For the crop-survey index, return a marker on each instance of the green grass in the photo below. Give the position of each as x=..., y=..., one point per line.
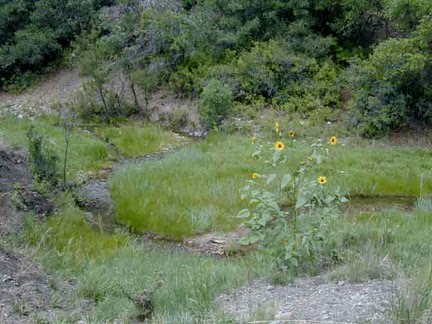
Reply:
x=67, y=234
x=192, y=191
x=86, y=153
x=196, y=189
x=370, y=169
x=413, y=303
x=109, y=267
x=381, y=171
x=190, y=283
x=385, y=244
x=138, y=139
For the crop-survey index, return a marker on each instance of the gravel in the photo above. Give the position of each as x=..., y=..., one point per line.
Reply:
x=312, y=300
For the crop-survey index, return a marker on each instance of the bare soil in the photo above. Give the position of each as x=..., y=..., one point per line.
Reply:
x=59, y=87
x=26, y=293
x=13, y=171
x=219, y=244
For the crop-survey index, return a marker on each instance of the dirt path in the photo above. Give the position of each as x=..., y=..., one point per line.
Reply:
x=311, y=301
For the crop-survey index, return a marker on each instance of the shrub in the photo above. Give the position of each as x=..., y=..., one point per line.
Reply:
x=269, y=69
x=43, y=160
x=215, y=103
x=178, y=119
x=391, y=88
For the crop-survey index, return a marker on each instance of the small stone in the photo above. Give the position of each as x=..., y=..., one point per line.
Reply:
x=6, y=278
x=283, y=316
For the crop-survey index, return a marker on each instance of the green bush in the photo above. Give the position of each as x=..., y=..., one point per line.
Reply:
x=42, y=158
x=392, y=88
x=215, y=103
x=34, y=33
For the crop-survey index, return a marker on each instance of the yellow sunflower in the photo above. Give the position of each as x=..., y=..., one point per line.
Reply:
x=292, y=134
x=279, y=146
x=333, y=140
x=322, y=180
x=255, y=176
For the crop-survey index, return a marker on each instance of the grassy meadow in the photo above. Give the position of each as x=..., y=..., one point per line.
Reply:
x=109, y=268
x=196, y=190
x=191, y=191
x=137, y=139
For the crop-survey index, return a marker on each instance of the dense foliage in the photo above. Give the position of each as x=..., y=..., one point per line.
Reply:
x=310, y=57
x=34, y=33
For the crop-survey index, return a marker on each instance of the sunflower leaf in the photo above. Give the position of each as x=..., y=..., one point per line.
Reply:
x=285, y=181
x=343, y=199
x=270, y=178
x=245, y=213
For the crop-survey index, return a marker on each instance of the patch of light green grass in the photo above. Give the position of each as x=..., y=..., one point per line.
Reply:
x=67, y=234
x=371, y=170
x=86, y=152
x=381, y=171
x=189, y=192
x=189, y=283
x=138, y=138
x=196, y=189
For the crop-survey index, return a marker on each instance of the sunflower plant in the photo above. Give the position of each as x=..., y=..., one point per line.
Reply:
x=306, y=196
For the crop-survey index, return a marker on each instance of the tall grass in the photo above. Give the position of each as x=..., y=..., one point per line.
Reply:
x=191, y=191
x=382, y=171
x=196, y=189
x=189, y=283
x=111, y=268
x=384, y=245
x=372, y=170
x=413, y=304
x=137, y=139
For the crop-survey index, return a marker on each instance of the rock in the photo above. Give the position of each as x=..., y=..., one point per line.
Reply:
x=95, y=197
x=31, y=200
x=217, y=241
x=12, y=168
